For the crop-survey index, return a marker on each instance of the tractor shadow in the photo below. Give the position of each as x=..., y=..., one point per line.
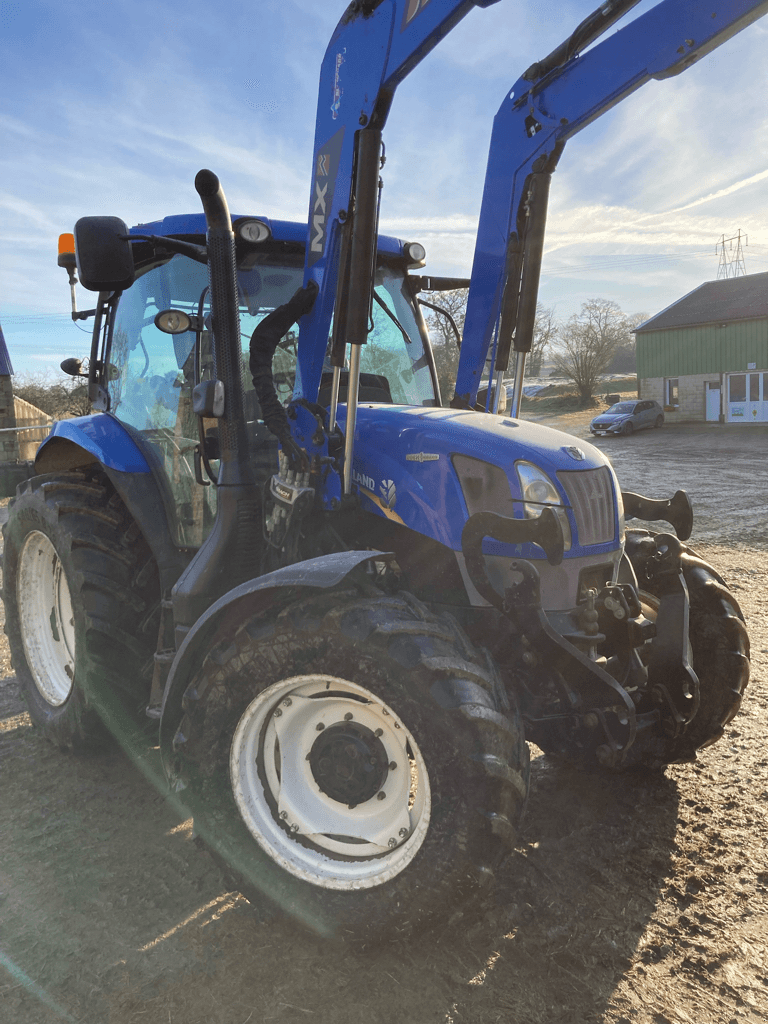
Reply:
x=113, y=915
x=576, y=899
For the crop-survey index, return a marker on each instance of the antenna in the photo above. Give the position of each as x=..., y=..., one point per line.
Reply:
x=731, y=259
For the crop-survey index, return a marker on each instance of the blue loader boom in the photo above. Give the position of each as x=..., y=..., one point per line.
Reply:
x=346, y=599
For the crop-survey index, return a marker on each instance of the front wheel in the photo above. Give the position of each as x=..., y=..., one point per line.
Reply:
x=719, y=647
x=348, y=758
x=627, y=430
x=659, y=422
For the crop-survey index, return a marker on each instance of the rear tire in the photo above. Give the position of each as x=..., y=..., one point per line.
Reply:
x=353, y=758
x=81, y=594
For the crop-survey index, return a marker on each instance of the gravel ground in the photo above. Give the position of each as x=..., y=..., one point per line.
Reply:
x=630, y=899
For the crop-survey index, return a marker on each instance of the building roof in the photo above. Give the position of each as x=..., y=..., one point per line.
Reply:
x=715, y=302
x=6, y=370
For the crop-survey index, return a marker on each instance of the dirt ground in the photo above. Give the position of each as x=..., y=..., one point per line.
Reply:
x=630, y=899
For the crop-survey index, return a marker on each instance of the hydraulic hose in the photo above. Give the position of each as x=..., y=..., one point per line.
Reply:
x=264, y=342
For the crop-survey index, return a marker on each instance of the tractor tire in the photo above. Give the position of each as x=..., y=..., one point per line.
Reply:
x=351, y=758
x=81, y=594
x=720, y=655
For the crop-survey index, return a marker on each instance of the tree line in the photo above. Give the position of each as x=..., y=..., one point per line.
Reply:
x=596, y=340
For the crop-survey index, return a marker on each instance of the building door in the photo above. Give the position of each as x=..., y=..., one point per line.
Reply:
x=748, y=397
x=713, y=401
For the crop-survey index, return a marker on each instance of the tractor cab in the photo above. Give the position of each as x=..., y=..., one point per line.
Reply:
x=152, y=373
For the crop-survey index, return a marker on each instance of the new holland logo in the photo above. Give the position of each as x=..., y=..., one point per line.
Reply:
x=365, y=481
x=388, y=493
x=574, y=452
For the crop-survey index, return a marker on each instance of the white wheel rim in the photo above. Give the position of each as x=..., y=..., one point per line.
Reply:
x=47, y=619
x=285, y=740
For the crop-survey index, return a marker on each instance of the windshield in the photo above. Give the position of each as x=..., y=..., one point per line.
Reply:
x=152, y=374
x=621, y=407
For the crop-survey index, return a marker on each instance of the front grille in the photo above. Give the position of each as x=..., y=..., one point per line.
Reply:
x=591, y=496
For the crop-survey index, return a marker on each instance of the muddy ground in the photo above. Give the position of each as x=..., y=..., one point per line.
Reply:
x=630, y=899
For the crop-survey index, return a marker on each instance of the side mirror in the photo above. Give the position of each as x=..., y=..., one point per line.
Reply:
x=103, y=253
x=73, y=366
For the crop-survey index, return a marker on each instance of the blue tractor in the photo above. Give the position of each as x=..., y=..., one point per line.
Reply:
x=347, y=600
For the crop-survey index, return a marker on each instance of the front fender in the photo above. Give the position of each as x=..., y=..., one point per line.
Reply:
x=103, y=437
x=226, y=614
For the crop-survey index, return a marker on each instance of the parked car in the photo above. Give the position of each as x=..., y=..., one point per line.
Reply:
x=627, y=417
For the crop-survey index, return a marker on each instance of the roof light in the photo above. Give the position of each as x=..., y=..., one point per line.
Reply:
x=415, y=253
x=249, y=229
x=67, y=251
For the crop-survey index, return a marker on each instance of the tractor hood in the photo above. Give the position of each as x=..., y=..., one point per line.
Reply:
x=430, y=469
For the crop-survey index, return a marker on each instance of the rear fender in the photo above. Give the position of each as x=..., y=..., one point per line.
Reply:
x=224, y=617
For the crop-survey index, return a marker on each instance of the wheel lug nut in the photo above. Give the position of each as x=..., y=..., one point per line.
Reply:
x=287, y=702
x=379, y=732
x=283, y=815
x=319, y=726
x=278, y=712
x=381, y=795
x=392, y=765
x=294, y=828
x=403, y=833
x=348, y=716
x=392, y=842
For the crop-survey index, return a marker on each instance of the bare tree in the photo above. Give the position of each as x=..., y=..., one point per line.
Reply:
x=587, y=343
x=58, y=398
x=625, y=358
x=545, y=331
x=444, y=341
x=445, y=344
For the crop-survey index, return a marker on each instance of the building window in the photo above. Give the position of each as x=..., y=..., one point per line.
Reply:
x=737, y=387
x=671, y=392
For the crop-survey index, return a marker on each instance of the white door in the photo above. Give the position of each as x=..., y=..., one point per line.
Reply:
x=713, y=401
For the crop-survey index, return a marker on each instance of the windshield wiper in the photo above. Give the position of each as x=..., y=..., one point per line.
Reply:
x=393, y=318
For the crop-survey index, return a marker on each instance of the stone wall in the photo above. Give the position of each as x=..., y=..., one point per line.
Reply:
x=9, y=449
x=691, y=389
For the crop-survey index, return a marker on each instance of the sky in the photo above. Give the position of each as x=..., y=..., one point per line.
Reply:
x=112, y=108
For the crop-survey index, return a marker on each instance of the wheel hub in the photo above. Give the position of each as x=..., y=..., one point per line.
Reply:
x=47, y=618
x=349, y=763
x=330, y=782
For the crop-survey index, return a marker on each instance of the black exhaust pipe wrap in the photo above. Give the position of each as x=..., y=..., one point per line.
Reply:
x=232, y=552
x=225, y=315
x=264, y=342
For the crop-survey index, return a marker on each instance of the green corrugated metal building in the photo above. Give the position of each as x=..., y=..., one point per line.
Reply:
x=705, y=357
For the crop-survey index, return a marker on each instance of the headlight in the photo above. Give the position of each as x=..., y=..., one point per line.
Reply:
x=539, y=492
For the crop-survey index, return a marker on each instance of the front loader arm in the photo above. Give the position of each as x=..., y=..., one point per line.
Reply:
x=530, y=129
x=375, y=45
